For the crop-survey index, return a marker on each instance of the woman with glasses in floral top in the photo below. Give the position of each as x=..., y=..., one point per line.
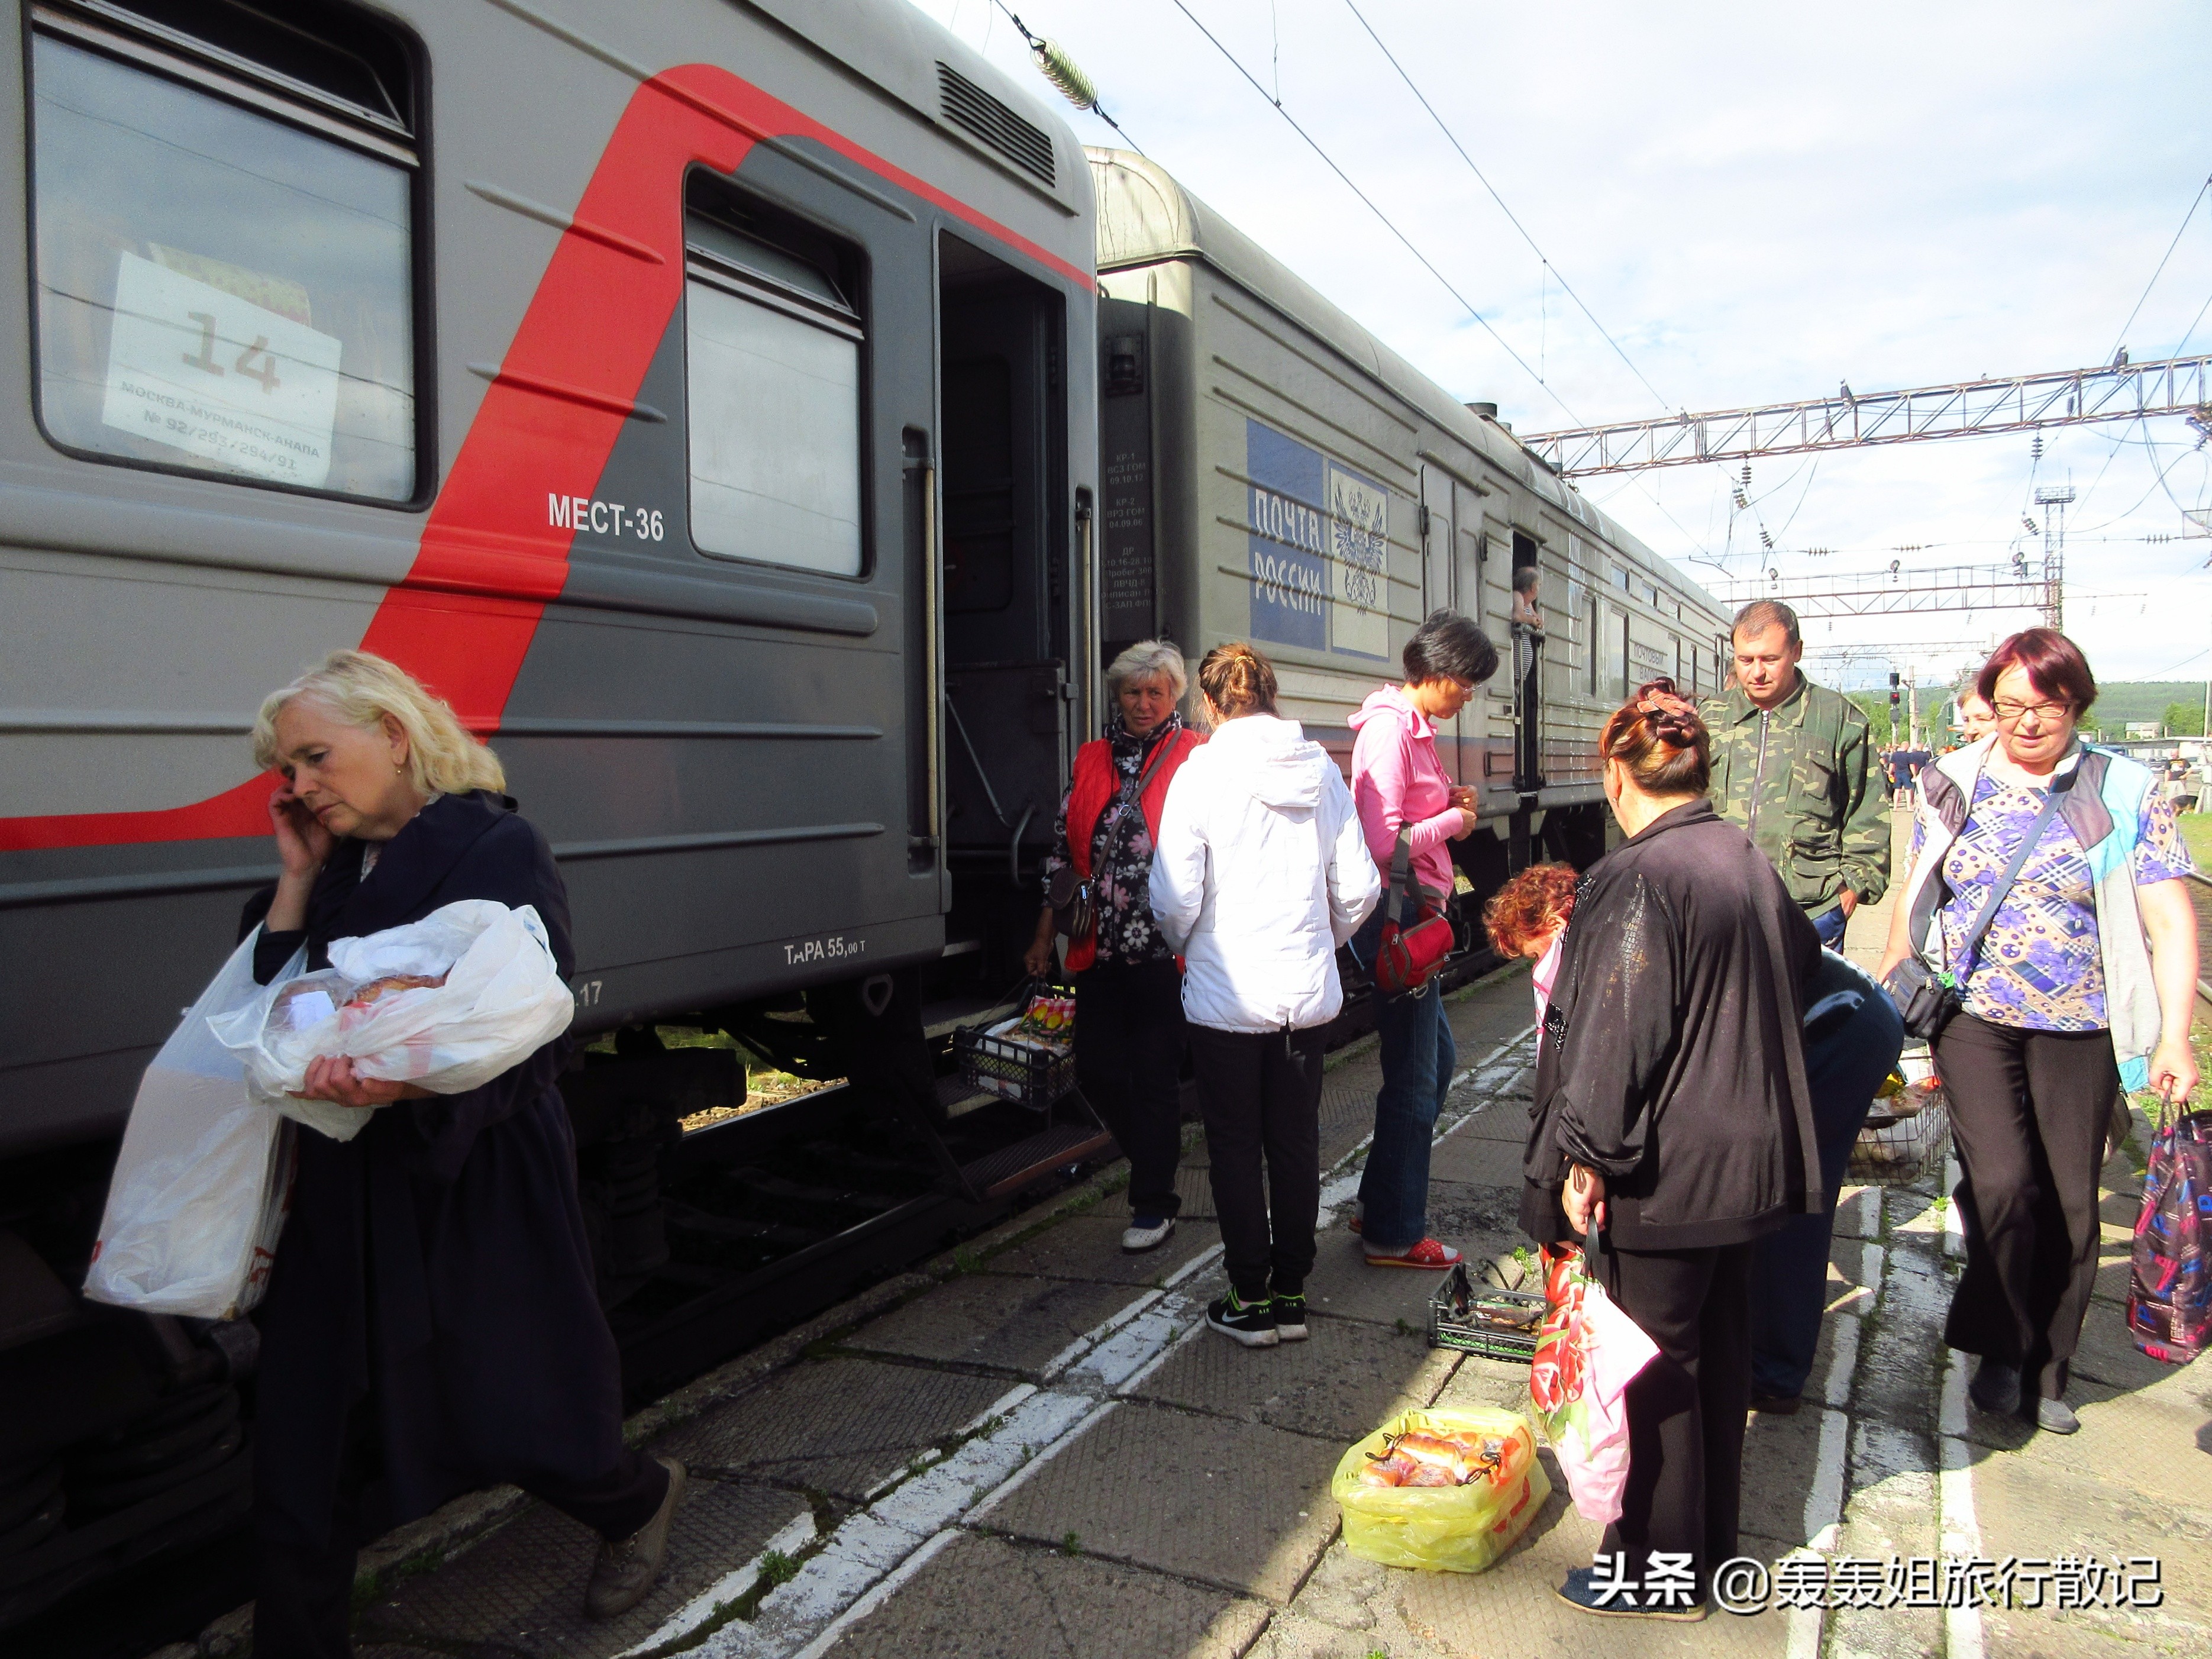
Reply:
x=2083, y=984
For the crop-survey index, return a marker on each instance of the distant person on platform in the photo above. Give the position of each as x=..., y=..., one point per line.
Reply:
x=1792, y=768
x=1977, y=719
x=1796, y=769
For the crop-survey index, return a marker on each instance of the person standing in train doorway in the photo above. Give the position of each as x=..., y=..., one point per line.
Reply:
x=1400, y=784
x=1795, y=767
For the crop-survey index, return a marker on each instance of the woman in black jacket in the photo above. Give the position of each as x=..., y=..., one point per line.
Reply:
x=431, y=1325
x=1671, y=1116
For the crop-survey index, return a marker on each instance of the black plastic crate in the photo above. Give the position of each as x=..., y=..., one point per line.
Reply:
x=1484, y=1320
x=1025, y=1071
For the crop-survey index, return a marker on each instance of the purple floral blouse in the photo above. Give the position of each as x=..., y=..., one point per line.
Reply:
x=2039, y=967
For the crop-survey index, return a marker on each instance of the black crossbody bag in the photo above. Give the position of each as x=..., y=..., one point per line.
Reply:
x=1926, y=998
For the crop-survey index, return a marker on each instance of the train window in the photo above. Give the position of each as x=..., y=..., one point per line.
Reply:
x=1596, y=645
x=223, y=232
x=1616, y=646
x=772, y=342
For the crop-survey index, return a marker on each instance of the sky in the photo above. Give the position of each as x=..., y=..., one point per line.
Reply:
x=1756, y=203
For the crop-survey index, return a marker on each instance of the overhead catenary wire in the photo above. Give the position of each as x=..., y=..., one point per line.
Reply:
x=2123, y=337
x=1054, y=63
x=1552, y=270
x=1425, y=263
x=1388, y=224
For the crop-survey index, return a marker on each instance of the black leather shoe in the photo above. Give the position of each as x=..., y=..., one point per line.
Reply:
x=1995, y=1388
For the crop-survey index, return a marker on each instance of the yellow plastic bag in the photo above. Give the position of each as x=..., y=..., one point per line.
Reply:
x=1457, y=1528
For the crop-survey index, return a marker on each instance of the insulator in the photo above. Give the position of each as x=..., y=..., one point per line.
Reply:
x=1057, y=67
x=2035, y=449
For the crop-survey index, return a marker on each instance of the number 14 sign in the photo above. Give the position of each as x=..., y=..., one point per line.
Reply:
x=199, y=370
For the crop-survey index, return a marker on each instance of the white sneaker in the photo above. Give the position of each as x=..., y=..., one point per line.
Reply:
x=1146, y=1232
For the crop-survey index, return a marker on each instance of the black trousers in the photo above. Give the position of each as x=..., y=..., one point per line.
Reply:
x=303, y=1606
x=1261, y=1097
x=1686, y=1409
x=2028, y=1114
x=1128, y=1059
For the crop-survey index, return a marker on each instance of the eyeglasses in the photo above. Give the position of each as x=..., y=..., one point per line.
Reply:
x=2009, y=713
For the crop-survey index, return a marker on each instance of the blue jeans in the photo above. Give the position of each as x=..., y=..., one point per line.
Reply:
x=1847, y=1052
x=1419, y=1059
x=1830, y=925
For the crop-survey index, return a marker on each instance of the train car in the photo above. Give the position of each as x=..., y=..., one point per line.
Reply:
x=699, y=395
x=1272, y=471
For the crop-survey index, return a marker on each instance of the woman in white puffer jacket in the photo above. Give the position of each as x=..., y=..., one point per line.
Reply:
x=1259, y=872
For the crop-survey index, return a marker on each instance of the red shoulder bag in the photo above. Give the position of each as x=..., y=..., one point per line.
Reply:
x=1408, y=957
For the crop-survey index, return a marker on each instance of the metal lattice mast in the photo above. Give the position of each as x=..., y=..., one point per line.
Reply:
x=2024, y=403
x=2054, y=501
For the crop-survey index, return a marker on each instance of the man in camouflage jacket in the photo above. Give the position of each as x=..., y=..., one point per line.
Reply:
x=1794, y=768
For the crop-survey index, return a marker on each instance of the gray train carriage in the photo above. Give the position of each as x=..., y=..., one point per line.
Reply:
x=699, y=395
x=691, y=392
x=1273, y=472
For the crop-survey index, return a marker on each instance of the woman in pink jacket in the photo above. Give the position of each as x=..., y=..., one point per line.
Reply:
x=1398, y=783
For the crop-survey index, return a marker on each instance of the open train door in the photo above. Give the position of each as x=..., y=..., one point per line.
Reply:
x=1009, y=609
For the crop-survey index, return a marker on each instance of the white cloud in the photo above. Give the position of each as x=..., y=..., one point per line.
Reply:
x=1760, y=202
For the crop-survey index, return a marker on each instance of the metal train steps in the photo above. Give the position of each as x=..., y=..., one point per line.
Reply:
x=1054, y=1147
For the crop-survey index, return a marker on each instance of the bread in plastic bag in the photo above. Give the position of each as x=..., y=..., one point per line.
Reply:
x=1458, y=1528
x=501, y=999
x=204, y=1178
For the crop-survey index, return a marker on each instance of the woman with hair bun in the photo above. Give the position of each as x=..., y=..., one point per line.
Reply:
x=431, y=1318
x=1261, y=872
x=1672, y=1124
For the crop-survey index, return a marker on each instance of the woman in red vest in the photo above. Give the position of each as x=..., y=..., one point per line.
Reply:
x=1128, y=993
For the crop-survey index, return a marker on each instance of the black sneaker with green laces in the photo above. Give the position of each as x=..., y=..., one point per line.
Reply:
x=1289, y=1313
x=1252, y=1323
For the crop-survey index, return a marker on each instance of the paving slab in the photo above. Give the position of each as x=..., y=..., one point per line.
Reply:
x=1192, y=1185
x=1343, y=1284
x=1781, y=1458
x=1339, y=1384
x=1471, y=1159
x=522, y=1591
x=1511, y=1609
x=1480, y=1381
x=2028, y=1510
x=1505, y=1120
x=1238, y=1505
x=1347, y=1106
x=985, y=1598
x=1016, y=1325
x=1459, y=1210
x=2105, y=1352
x=1088, y=1247
x=841, y=1425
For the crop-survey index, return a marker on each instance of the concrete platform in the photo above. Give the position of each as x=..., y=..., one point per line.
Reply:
x=1033, y=1449
x=841, y=1426
x=1233, y=1505
x=1015, y=1326
x=988, y=1598
x=1337, y=1385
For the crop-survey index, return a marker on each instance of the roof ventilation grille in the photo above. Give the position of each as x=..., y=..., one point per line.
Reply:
x=974, y=111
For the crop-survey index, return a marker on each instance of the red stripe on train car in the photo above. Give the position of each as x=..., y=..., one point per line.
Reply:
x=463, y=618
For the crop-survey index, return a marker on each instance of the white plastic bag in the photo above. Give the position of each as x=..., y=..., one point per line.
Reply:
x=204, y=1176
x=503, y=999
